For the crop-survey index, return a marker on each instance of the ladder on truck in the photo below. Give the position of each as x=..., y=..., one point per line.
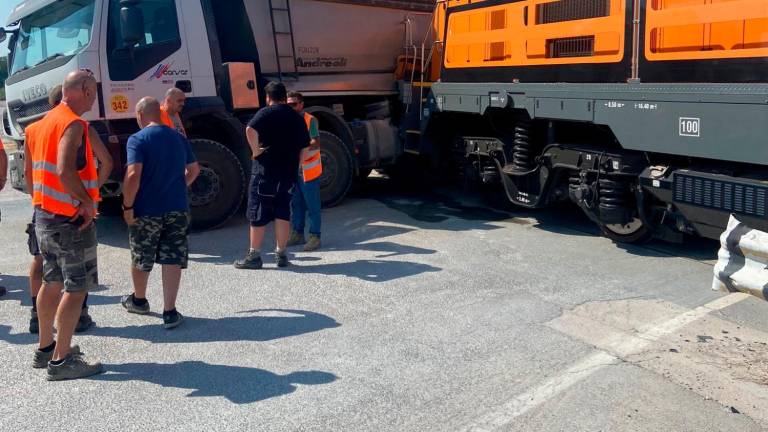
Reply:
x=280, y=14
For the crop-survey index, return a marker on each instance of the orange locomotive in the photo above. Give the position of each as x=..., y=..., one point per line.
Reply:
x=596, y=40
x=650, y=115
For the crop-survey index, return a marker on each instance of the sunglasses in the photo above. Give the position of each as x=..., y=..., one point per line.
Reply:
x=293, y=104
x=86, y=70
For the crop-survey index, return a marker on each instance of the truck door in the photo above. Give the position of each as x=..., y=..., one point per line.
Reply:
x=145, y=54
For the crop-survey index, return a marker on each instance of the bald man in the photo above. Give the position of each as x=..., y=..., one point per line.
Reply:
x=65, y=191
x=36, y=267
x=161, y=166
x=170, y=111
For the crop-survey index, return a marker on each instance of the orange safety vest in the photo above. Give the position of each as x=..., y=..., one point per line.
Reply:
x=49, y=194
x=312, y=167
x=173, y=123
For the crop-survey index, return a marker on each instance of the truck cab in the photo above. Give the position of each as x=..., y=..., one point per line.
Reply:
x=134, y=49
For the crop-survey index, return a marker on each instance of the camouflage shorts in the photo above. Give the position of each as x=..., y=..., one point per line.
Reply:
x=159, y=239
x=69, y=255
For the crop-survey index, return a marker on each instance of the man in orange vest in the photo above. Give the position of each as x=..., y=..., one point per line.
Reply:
x=65, y=192
x=306, y=196
x=36, y=267
x=170, y=110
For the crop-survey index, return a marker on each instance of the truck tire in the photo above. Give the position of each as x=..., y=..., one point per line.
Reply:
x=635, y=232
x=217, y=193
x=338, y=169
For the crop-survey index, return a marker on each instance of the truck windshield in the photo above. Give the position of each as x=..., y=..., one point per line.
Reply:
x=61, y=29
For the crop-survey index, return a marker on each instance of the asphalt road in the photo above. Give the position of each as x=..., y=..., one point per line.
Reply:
x=423, y=312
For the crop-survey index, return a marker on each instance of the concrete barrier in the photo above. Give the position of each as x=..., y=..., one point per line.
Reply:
x=742, y=264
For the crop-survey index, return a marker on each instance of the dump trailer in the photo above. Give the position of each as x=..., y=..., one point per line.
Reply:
x=343, y=55
x=650, y=115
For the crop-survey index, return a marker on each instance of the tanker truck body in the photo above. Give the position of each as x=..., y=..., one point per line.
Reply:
x=650, y=115
x=341, y=54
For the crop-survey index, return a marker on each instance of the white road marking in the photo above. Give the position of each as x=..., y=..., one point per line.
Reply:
x=593, y=363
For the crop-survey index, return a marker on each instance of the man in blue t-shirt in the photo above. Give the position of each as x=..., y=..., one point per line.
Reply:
x=161, y=166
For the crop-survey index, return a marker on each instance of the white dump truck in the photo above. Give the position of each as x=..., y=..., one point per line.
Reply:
x=342, y=55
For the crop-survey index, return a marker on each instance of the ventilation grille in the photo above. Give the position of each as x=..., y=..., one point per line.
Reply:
x=747, y=199
x=571, y=10
x=37, y=107
x=571, y=47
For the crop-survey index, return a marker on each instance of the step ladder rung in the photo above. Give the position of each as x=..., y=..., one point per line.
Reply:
x=279, y=56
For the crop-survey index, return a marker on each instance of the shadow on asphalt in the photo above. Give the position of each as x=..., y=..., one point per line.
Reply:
x=18, y=290
x=368, y=270
x=257, y=325
x=228, y=243
x=432, y=206
x=488, y=204
x=239, y=385
x=448, y=208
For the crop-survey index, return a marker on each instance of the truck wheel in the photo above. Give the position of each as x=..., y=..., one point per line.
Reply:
x=635, y=232
x=338, y=168
x=217, y=193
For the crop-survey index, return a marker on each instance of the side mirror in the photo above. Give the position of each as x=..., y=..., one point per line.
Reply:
x=3, y=35
x=131, y=23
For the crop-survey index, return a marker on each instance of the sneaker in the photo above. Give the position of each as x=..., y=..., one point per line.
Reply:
x=85, y=322
x=252, y=261
x=73, y=367
x=40, y=359
x=313, y=243
x=295, y=239
x=131, y=307
x=171, y=321
x=34, y=323
x=282, y=259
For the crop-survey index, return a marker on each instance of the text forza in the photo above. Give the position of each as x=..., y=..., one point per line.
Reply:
x=317, y=62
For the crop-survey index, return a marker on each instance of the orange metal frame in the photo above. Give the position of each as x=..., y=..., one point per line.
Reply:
x=706, y=29
x=499, y=35
x=502, y=36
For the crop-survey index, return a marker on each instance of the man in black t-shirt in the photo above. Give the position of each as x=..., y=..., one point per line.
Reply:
x=278, y=139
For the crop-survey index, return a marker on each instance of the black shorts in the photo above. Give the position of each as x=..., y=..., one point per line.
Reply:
x=268, y=200
x=34, y=247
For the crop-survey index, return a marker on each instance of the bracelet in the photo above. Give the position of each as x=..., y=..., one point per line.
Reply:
x=126, y=208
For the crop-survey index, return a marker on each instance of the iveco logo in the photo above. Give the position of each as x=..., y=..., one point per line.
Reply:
x=35, y=92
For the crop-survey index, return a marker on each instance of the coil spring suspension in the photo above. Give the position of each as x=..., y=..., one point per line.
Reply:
x=574, y=183
x=613, y=194
x=614, y=203
x=523, y=157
